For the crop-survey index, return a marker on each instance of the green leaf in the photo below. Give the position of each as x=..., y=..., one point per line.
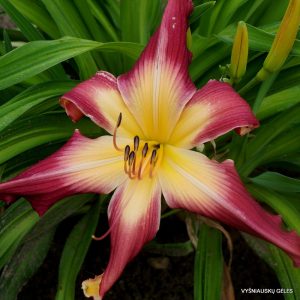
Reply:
x=275, y=14
x=263, y=90
x=285, y=144
x=138, y=19
x=29, y=31
x=7, y=42
x=37, y=56
x=265, y=134
x=15, y=34
x=24, y=264
x=277, y=182
x=57, y=213
x=69, y=22
x=32, y=34
x=259, y=40
x=38, y=15
x=225, y=15
x=14, y=166
x=279, y=202
x=16, y=222
x=213, y=56
x=201, y=9
x=207, y=22
x=96, y=31
x=279, y=102
x=38, y=130
x=103, y=20
x=208, y=268
x=33, y=96
x=287, y=274
x=74, y=252
x=254, y=7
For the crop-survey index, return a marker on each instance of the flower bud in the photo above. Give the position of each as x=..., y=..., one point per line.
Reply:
x=239, y=53
x=283, y=42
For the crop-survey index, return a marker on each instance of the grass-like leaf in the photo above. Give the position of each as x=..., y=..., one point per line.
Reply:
x=39, y=56
x=75, y=251
x=208, y=269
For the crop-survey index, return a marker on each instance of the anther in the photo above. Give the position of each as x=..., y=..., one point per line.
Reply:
x=126, y=153
x=145, y=150
x=156, y=146
x=115, y=132
x=119, y=120
x=126, y=156
x=131, y=157
x=131, y=163
x=136, y=143
x=153, y=157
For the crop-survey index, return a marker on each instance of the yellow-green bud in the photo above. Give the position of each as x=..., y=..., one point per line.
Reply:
x=283, y=42
x=189, y=39
x=239, y=53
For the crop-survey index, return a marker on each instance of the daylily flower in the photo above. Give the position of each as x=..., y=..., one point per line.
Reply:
x=155, y=116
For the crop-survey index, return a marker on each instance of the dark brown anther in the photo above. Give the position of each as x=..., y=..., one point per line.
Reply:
x=156, y=146
x=126, y=153
x=136, y=143
x=115, y=133
x=131, y=158
x=153, y=156
x=145, y=150
x=119, y=120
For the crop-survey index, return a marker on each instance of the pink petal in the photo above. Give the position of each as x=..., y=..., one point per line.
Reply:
x=134, y=215
x=158, y=86
x=191, y=181
x=82, y=165
x=99, y=99
x=213, y=111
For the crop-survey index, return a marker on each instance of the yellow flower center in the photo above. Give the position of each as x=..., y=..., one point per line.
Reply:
x=141, y=158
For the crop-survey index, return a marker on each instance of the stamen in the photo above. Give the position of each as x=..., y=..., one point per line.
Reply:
x=131, y=157
x=152, y=162
x=126, y=153
x=131, y=163
x=144, y=153
x=145, y=150
x=136, y=143
x=140, y=168
x=119, y=120
x=115, y=132
x=126, y=156
x=153, y=156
